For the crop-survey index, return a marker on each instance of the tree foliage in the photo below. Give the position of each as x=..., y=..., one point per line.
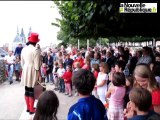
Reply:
x=101, y=18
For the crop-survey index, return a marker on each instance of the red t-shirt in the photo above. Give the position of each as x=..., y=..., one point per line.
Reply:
x=95, y=74
x=68, y=76
x=156, y=97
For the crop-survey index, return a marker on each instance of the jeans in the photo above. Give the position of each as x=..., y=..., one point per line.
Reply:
x=10, y=70
x=61, y=84
x=50, y=78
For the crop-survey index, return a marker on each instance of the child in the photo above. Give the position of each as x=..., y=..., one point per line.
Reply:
x=17, y=68
x=95, y=70
x=67, y=79
x=116, y=93
x=43, y=71
x=76, y=66
x=60, y=73
x=55, y=76
x=129, y=86
x=88, y=107
x=47, y=106
x=102, y=82
x=139, y=106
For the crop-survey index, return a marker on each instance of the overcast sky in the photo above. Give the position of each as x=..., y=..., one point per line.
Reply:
x=37, y=14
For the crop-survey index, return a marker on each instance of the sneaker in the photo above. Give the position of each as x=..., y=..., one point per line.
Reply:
x=66, y=93
x=51, y=83
x=55, y=89
x=10, y=82
x=69, y=95
x=76, y=94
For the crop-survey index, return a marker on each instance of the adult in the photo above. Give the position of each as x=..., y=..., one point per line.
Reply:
x=96, y=59
x=18, y=50
x=30, y=62
x=145, y=79
x=10, y=60
x=146, y=58
x=68, y=61
x=49, y=63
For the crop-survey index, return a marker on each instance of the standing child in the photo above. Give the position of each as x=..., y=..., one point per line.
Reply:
x=17, y=68
x=60, y=73
x=67, y=76
x=55, y=76
x=44, y=71
x=116, y=94
x=129, y=86
x=95, y=70
x=101, y=84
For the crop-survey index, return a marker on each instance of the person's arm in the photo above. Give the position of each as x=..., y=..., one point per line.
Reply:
x=156, y=100
x=108, y=94
x=15, y=51
x=37, y=59
x=156, y=108
x=104, y=80
x=102, y=83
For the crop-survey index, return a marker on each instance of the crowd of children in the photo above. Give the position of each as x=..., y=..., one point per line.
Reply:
x=116, y=76
x=128, y=84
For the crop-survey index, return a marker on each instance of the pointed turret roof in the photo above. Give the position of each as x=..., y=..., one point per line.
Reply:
x=17, y=39
x=30, y=30
x=22, y=36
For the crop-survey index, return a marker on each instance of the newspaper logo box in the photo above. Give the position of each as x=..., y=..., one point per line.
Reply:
x=138, y=8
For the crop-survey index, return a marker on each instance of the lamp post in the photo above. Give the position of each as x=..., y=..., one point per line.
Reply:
x=87, y=43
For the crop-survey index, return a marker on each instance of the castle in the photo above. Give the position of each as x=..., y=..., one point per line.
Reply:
x=20, y=38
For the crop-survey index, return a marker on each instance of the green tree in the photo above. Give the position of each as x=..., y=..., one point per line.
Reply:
x=101, y=19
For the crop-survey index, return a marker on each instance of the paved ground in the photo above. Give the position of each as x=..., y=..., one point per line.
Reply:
x=13, y=104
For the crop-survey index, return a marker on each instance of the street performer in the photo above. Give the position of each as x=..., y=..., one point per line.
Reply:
x=30, y=62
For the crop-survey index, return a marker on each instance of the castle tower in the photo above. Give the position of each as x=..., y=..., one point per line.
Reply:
x=29, y=33
x=22, y=37
x=17, y=39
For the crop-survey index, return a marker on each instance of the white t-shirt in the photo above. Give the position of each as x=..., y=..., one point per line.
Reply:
x=60, y=72
x=103, y=89
x=10, y=59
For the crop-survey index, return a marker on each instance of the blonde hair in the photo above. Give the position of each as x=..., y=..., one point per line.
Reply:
x=144, y=71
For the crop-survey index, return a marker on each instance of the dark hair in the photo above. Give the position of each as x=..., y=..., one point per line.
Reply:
x=103, y=52
x=121, y=64
x=118, y=79
x=130, y=78
x=32, y=43
x=154, y=117
x=47, y=106
x=141, y=98
x=84, y=81
x=156, y=68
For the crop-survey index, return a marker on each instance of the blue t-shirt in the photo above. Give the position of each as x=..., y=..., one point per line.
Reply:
x=89, y=108
x=143, y=117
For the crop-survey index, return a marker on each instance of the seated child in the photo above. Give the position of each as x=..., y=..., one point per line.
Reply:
x=139, y=106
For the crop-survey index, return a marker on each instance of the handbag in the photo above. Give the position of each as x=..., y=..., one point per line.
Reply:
x=39, y=88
